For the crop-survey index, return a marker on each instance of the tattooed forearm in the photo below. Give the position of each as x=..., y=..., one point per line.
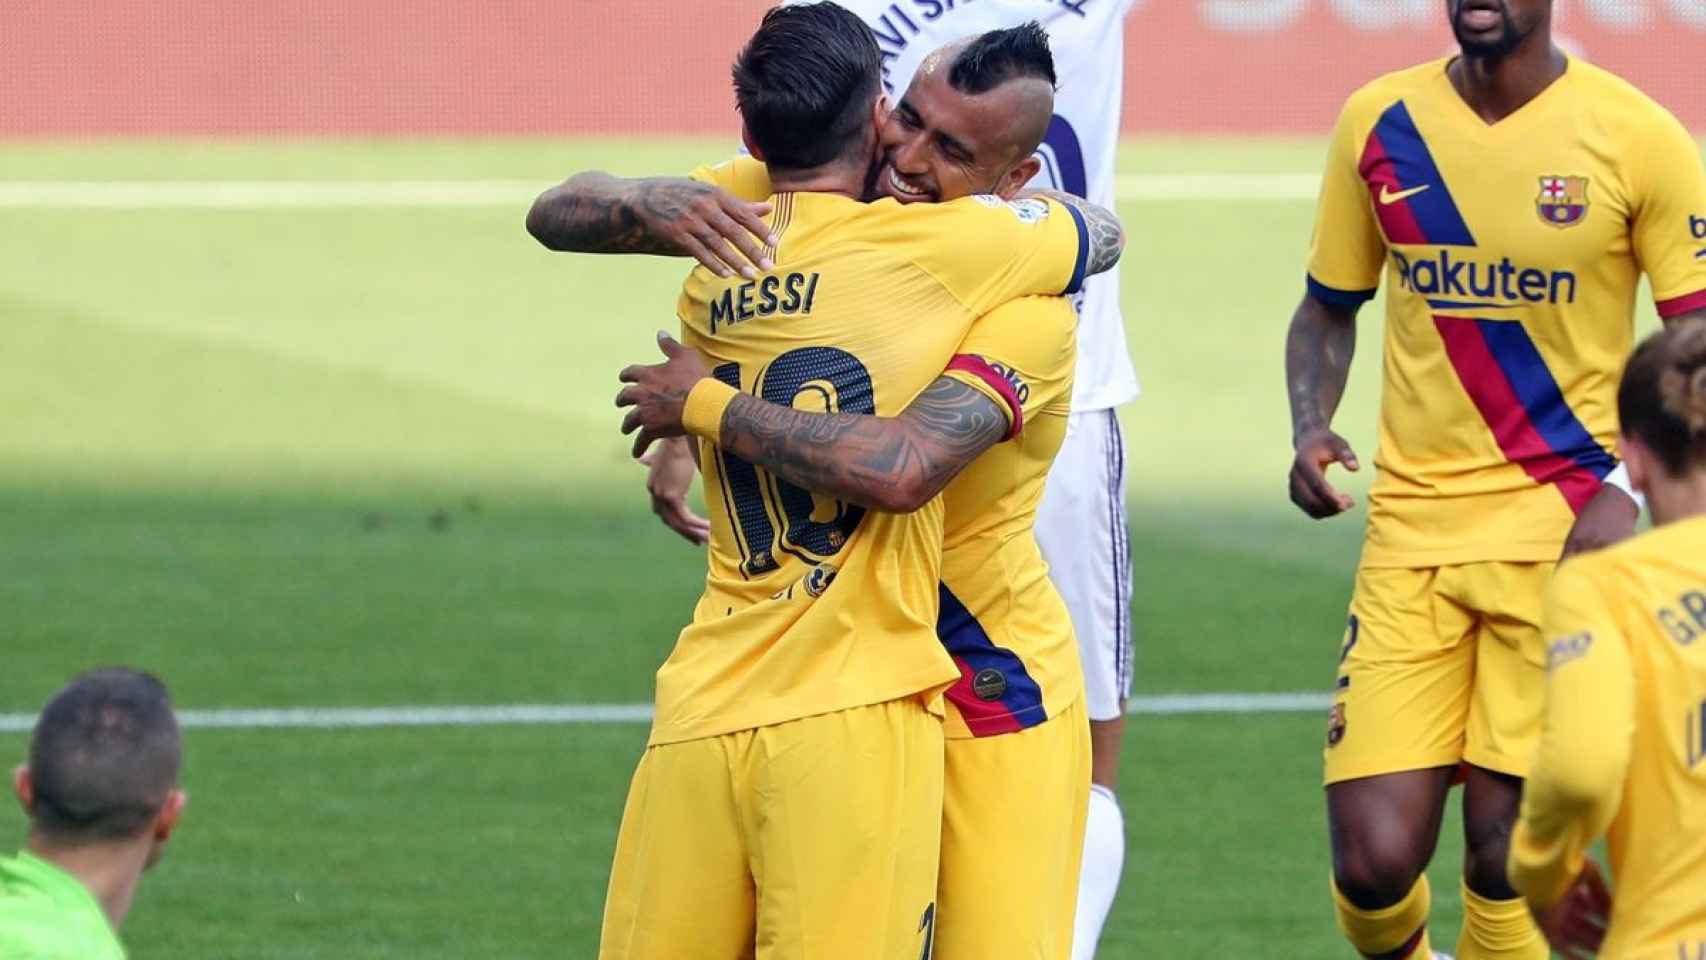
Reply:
x=1318, y=351
x=1107, y=236
x=896, y=464
x=598, y=213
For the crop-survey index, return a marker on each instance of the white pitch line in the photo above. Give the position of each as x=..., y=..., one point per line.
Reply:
x=283, y=194
x=574, y=714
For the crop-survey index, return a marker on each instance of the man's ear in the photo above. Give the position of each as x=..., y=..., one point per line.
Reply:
x=746, y=140
x=170, y=811
x=1639, y=460
x=880, y=112
x=1015, y=179
x=25, y=787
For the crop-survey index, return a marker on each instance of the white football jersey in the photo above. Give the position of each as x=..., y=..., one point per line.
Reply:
x=1088, y=40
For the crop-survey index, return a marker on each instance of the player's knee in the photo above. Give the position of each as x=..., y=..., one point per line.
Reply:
x=1377, y=871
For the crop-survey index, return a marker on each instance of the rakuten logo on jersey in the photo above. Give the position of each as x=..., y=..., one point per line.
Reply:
x=1257, y=16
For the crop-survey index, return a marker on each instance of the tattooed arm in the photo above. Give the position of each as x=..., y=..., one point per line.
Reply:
x=1107, y=236
x=595, y=212
x=1318, y=351
x=895, y=464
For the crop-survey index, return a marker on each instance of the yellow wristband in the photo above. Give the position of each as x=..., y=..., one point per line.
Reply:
x=702, y=415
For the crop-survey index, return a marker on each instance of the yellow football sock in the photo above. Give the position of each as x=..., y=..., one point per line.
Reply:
x=1389, y=930
x=1498, y=930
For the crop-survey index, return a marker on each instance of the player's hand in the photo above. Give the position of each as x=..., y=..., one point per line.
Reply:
x=1607, y=519
x=658, y=393
x=1316, y=450
x=1575, y=925
x=720, y=230
x=670, y=473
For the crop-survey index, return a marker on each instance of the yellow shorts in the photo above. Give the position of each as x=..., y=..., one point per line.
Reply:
x=1440, y=666
x=1012, y=836
x=815, y=838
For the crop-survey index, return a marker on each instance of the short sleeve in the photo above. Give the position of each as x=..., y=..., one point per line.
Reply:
x=1347, y=251
x=1669, y=228
x=1576, y=780
x=987, y=251
x=743, y=176
x=1021, y=355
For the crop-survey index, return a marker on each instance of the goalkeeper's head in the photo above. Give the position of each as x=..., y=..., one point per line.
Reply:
x=102, y=775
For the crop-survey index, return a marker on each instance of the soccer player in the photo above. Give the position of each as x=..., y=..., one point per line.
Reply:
x=799, y=693
x=101, y=794
x=1081, y=524
x=1018, y=760
x=1624, y=732
x=1512, y=196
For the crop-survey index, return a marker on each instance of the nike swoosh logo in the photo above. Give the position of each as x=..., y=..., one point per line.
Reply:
x=1388, y=198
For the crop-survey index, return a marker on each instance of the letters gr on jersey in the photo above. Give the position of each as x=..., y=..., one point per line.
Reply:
x=1686, y=621
x=765, y=297
x=1446, y=276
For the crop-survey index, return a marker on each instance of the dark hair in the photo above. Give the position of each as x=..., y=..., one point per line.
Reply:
x=805, y=84
x=1002, y=55
x=104, y=756
x=1662, y=400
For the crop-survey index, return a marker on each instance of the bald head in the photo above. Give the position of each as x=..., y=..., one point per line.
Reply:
x=975, y=113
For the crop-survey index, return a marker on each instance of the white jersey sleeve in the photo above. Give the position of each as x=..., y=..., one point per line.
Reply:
x=1088, y=40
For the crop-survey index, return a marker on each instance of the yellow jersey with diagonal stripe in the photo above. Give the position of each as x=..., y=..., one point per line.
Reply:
x=1623, y=747
x=1511, y=254
x=1002, y=620
x=812, y=605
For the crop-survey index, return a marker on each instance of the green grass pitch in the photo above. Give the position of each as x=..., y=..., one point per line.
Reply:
x=342, y=457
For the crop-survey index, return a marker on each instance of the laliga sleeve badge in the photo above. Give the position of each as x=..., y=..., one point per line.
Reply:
x=1336, y=725
x=989, y=684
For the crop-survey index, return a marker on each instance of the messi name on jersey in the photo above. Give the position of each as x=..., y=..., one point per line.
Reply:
x=765, y=297
x=1449, y=281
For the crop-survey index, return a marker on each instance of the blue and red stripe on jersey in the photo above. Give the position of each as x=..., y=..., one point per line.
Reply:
x=1396, y=159
x=1508, y=380
x=1020, y=705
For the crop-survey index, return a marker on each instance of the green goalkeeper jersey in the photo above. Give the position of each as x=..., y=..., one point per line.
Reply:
x=47, y=914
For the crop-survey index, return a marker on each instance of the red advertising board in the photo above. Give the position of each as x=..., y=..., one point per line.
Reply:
x=473, y=67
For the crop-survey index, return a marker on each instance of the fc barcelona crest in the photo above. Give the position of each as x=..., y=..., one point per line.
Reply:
x=1563, y=201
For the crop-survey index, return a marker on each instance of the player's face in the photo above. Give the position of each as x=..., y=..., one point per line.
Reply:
x=1491, y=29
x=941, y=144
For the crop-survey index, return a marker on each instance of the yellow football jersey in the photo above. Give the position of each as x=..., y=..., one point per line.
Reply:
x=1001, y=618
x=812, y=605
x=1624, y=742
x=1511, y=255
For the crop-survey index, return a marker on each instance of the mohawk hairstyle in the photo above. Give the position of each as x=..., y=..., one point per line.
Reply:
x=1002, y=55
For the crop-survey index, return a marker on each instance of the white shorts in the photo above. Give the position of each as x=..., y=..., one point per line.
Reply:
x=1081, y=527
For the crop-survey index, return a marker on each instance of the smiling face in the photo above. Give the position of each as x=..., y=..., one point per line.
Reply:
x=1493, y=29
x=942, y=143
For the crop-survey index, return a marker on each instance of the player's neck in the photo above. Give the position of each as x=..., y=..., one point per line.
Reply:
x=1496, y=87
x=837, y=178
x=1673, y=501
x=110, y=871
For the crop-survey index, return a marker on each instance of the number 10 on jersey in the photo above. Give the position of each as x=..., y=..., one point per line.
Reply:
x=759, y=502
